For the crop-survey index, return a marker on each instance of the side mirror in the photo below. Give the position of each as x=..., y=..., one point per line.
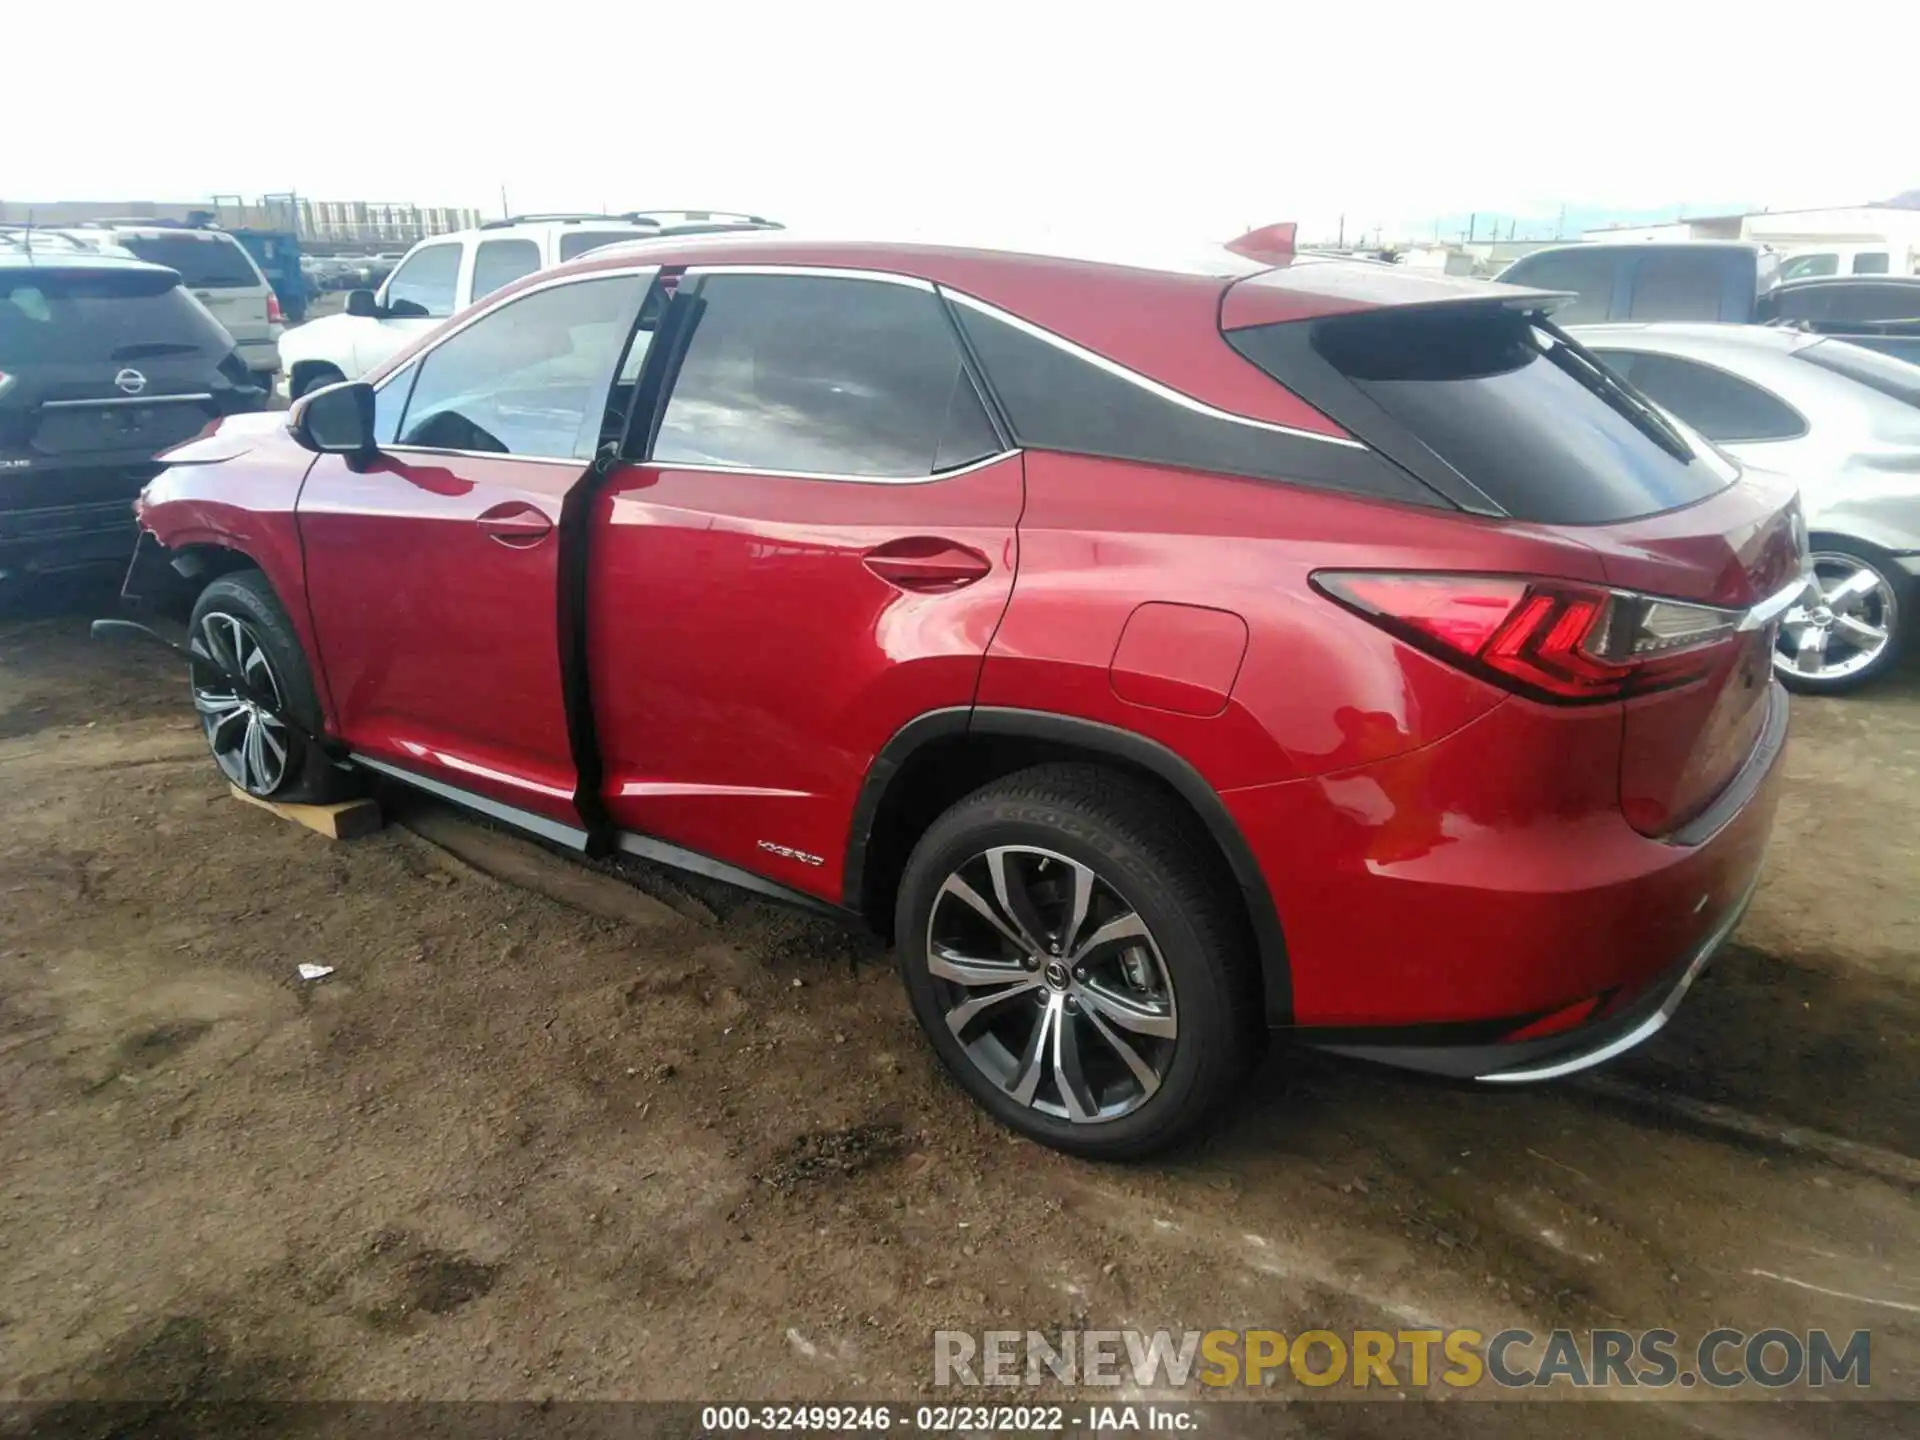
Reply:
x=362, y=303
x=337, y=420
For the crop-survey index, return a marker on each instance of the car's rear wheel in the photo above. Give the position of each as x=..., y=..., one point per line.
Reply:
x=239, y=628
x=1076, y=961
x=1851, y=632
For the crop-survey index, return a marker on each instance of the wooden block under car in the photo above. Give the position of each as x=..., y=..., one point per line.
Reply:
x=348, y=820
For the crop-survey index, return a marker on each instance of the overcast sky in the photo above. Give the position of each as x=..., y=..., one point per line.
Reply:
x=1175, y=118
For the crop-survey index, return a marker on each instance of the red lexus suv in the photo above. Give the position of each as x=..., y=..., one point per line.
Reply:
x=1165, y=654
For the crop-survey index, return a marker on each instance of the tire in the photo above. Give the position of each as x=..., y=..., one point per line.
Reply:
x=1188, y=986
x=314, y=378
x=240, y=621
x=1845, y=663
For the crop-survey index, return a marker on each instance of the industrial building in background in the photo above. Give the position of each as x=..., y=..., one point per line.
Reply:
x=327, y=225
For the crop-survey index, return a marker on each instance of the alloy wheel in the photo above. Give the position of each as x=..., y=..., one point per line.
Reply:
x=1842, y=630
x=1052, y=984
x=249, y=745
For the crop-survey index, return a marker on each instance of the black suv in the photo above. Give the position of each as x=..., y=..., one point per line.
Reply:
x=104, y=361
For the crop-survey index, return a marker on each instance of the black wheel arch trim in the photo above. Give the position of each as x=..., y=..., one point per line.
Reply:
x=1149, y=755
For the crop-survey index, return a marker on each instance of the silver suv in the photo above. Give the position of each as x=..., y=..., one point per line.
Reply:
x=217, y=272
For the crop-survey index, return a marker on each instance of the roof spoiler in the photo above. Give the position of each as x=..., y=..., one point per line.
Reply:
x=1271, y=244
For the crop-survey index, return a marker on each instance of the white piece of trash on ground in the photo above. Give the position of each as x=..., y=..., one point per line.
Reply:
x=315, y=972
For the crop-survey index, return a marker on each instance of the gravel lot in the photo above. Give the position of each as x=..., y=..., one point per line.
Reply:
x=545, y=1132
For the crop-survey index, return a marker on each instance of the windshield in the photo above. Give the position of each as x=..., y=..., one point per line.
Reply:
x=205, y=259
x=1881, y=372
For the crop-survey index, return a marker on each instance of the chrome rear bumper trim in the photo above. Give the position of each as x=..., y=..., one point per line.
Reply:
x=1649, y=1027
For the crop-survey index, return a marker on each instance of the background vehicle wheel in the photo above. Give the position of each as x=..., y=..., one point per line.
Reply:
x=313, y=377
x=1852, y=632
x=1076, y=961
x=238, y=624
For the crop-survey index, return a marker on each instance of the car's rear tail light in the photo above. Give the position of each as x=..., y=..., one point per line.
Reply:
x=1551, y=639
x=274, y=314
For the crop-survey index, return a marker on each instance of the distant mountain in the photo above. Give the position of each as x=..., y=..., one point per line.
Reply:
x=1905, y=200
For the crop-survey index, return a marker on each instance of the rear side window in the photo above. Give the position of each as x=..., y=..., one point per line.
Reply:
x=824, y=376
x=52, y=316
x=1058, y=398
x=1488, y=394
x=424, y=283
x=1589, y=274
x=579, y=242
x=1678, y=285
x=1807, y=267
x=1872, y=369
x=1720, y=406
x=1870, y=262
x=501, y=262
x=206, y=259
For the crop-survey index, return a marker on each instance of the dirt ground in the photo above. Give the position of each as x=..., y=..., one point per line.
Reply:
x=547, y=1133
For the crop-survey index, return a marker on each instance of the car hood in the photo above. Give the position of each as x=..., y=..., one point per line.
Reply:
x=321, y=339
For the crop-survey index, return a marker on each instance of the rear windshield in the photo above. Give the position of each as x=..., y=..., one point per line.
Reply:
x=205, y=261
x=1881, y=372
x=51, y=317
x=1504, y=401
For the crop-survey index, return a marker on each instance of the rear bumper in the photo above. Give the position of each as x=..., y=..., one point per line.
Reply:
x=262, y=356
x=1553, y=1057
x=96, y=532
x=1460, y=909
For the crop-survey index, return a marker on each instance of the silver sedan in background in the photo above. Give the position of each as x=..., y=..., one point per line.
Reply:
x=1842, y=421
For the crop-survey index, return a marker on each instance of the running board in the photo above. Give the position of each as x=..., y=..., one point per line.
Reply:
x=644, y=847
x=568, y=835
x=692, y=861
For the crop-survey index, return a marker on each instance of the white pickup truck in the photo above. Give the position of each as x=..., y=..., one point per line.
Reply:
x=444, y=274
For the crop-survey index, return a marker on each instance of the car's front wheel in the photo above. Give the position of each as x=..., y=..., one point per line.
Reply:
x=239, y=628
x=1078, y=964
x=1850, y=632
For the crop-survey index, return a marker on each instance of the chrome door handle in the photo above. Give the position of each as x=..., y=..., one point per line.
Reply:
x=515, y=524
x=927, y=564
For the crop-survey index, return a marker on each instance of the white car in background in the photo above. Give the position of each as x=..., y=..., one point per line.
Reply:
x=443, y=275
x=1840, y=420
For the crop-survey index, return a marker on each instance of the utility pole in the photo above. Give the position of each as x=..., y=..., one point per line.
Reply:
x=505, y=213
x=1341, y=242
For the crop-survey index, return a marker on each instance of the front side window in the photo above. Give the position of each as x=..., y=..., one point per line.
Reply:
x=424, y=283
x=530, y=378
x=499, y=263
x=823, y=375
x=390, y=403
x=1720, y=406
